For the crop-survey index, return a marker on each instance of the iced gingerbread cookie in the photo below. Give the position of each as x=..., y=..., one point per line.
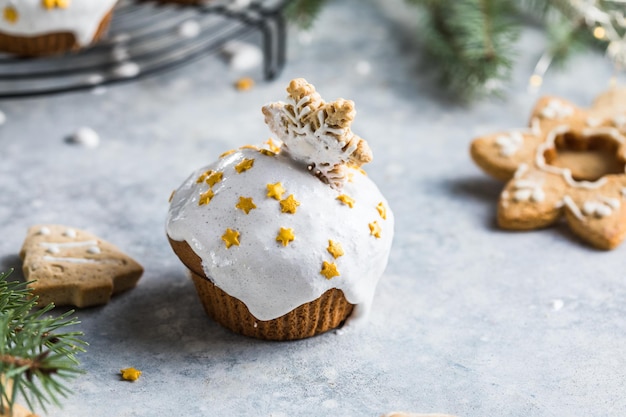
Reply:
x=570, y=162
x=69, y=266
x=286, y=240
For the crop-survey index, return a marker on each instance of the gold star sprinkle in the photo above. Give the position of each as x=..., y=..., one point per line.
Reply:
x=329, y=270
x=272, y=146
x=267, y=152
x=275, y=191
x=244, y=84
x=231, y=237
x=214, y=178
x=375, y=229
x=232, y=151
x=50, y=4
x=347, y=200
x=382, y=210
x=246, y=204
x=244, y=165
x=203, y=177
x=206, y=197
x=130, y=374
x=253, y=147
x=285, y=236
x=10, y=14
x=335, y=249
x=289, y=205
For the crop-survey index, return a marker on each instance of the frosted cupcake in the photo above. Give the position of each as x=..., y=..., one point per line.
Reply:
x=286, y=240
x=44, y=27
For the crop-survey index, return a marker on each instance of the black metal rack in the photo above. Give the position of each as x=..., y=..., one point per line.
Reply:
x=145, y=36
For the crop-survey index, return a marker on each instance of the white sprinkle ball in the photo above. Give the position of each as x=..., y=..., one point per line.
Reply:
x=557, y=304
x=189, y=29
x=85, y=136
x=242, y=56
x=69, y=233
x=127, y=69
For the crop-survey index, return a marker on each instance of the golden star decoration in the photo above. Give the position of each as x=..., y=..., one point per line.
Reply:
x=10, y=14
x=267, y=152
x=62, y=4
x=246, y=204
x=130, y=374
x=347, y=200
x=329, y=270
x=230, y=238
x=232, y=151
x=285, y=236
x=253, y=147
x=206, y=197
x=272, y=146
x=335, y=249
x=213, y=178
x=244, y=165
x=203, y=176
x=539, y=191
x=289, y=205
x=382, y=210
x=51, y=4
x=375, y=229
x=275, y=191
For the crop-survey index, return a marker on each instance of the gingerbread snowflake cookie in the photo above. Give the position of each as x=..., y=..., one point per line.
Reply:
x=570, y=162
x=317, y=133
x=68, y=266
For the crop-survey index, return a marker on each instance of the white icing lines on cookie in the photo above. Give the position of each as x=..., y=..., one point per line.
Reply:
x=54, y=248
x=598, y=207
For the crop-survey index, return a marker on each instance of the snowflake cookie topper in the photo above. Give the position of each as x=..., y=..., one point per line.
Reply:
x=317, y=133
x=570, y=162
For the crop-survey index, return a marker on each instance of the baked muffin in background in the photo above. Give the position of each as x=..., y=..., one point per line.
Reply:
x=47, y=27
x=286, y=241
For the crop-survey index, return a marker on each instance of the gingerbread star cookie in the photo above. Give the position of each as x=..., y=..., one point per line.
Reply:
x=570, y=162
x=69, y=266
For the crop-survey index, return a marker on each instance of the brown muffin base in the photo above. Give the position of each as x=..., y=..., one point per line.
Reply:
x=318, y=316
x=325, y=313
x=49, y=43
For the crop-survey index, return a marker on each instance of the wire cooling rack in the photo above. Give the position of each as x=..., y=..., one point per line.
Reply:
x=146, y=38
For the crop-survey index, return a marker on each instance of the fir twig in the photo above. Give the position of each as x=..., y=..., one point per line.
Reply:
x=304, y=12
x=37, y=354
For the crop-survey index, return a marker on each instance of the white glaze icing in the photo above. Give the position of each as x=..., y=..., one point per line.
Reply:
x=557, y=110
x=69, y=233
x=69, y=244
x=79, y=260
x=94, y=250
x=528, y=190
x=43, y=231
x=569, y=203
x=81, y=18
x=540, y=160
x=594, y=121
x=511, y=143
x=272, y=279
x=600, y=207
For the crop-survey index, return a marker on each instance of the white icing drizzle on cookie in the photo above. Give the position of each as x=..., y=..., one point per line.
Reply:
x=69, y=233
x=94, y=250
x=569, y=203
x=600, y=207
x=620, y=121
x=81, y=18
x=540, y=160
x=510, y=144
x=594, y=121
x=43, y=231
x=80, y=260
x=528, y=190
x=69, y=244
x=557, y=110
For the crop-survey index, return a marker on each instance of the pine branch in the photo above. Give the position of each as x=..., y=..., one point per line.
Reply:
x=470, y=43
x=37, y=354
x=304, y=12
